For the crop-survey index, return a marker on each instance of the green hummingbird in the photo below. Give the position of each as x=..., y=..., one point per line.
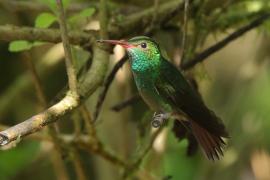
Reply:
x=166, y=91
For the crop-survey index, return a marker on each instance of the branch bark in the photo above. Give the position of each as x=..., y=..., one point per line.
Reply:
x=24, y=6
x=71, y=72
x=11, y=33
x=40, y=120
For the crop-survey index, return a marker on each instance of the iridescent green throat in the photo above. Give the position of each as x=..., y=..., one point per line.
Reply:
x=140, y=62
x=145, y=61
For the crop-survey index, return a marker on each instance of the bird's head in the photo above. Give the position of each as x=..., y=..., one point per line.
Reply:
x=140, y=48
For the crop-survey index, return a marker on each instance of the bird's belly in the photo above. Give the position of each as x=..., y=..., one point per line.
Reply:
x=150, y=95
x=150, y=100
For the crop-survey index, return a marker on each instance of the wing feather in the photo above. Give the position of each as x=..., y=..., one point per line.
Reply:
x=177, y=92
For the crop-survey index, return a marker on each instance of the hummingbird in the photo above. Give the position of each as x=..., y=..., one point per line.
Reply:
x=166, y=91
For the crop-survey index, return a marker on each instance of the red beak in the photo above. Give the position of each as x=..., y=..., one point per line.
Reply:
x=124, y=44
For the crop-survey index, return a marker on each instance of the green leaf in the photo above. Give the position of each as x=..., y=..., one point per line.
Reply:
x=45, y=20
x=17, y=46
x=52, y=4
x=87, y=12
x=83, y=14
x=18, y=158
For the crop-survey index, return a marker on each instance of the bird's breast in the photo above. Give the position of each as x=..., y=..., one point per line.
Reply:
x=140, y=67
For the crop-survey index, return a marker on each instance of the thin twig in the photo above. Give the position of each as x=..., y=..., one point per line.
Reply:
x=216, y=47
x=148, y=148
x=103, y=35
x=156, y=4
x=104, y=154
x=153, y=22
x=72, y=80
x=118, y=107
x=184, y=34
x=88, y=122
x=107, y=85
x=103, y=19
x=177, y=8
x=75, y=156
x=131, y=169
x=94, y=144
x=36, y=80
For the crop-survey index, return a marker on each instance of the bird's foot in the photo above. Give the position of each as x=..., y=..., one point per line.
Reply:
x=159, y=119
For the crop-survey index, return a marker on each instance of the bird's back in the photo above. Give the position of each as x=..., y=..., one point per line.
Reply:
x=177, y=92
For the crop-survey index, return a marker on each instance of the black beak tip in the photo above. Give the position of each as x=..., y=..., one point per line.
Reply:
x=99, y=41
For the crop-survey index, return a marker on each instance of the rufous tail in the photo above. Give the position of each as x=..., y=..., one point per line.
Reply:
x=211, y=144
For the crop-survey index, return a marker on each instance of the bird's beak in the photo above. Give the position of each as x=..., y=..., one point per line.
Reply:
x=124, y=44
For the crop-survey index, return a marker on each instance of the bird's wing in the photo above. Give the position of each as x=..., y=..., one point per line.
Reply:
x=206, y=127
x=176, y=91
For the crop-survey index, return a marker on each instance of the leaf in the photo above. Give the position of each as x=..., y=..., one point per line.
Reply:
x=52, y=4
x=45, y=20
x=87, y=12
x=17, y=46
x=18, y=158
x=83, y=14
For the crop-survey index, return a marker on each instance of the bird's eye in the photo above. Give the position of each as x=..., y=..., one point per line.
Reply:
x=143, y=45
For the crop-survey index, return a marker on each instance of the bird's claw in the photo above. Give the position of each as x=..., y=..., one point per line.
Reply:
x=159, y=119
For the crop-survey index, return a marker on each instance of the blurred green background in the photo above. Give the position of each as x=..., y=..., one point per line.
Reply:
x=234, y=82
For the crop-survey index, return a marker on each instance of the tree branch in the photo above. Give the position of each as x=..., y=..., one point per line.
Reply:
x=71, y=72
x=184, y=31
x=118, y=107
x=11, y=33
x=138, y=22
x=103, y=19
x=24, y=6
x=40, y=120
x=101, y=152
x=107, y=85
x=221, y=44
x=134, y=166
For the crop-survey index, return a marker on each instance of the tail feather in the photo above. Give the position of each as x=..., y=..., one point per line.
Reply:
x=211, y=144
